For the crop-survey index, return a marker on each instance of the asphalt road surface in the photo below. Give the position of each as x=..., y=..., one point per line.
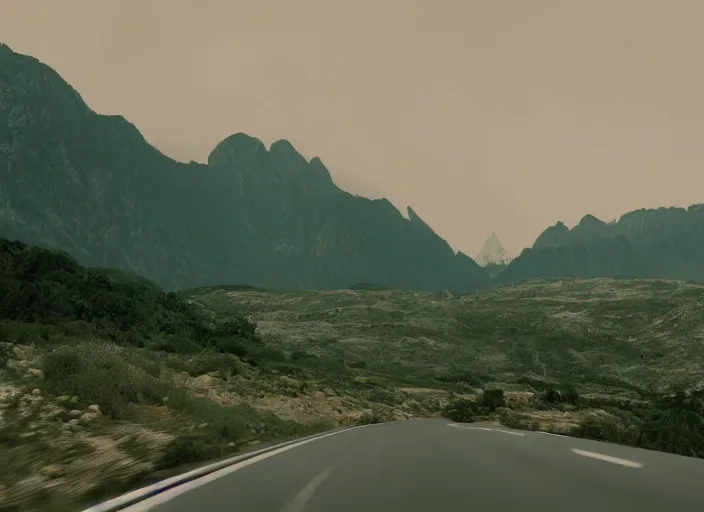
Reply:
x=437, y=466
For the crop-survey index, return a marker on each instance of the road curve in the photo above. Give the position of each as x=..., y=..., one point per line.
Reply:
x=437, y=466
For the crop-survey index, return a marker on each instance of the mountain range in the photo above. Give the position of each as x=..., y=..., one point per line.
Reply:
x=91, y=185
x=652, y=243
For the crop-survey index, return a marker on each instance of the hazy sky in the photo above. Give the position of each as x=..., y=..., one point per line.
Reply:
x=491, y=115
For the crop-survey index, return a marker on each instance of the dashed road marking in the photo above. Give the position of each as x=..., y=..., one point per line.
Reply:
x=163, y=497
x=298, y=504
x=608, y=458
x=510, y=432
x=550, y=434
x=486, y=429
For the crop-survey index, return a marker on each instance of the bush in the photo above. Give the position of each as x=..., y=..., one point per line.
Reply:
x=369, y=418
x=600, y=429
x=384, y=396
x=41, y=286
x=462, y=410
x=228, y=423
x=492, y=399
x=187, y=450
x=98, y=373
x=563, y=394
x=512, y=420
x=208, y=361
x=673, y=423
x=5, y=354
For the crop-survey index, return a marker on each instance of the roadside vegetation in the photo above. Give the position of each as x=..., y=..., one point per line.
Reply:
x=102, y=373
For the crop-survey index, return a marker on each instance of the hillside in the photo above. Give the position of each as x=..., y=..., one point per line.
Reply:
x=91, y=185
x=618, y=335
x=665, y=243
x=104, y=373
x=614, y=360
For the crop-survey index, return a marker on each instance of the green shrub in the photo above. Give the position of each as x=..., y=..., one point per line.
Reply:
x=5, y=355
x=462, y=410
x=44, y=287
x=599, y=428
x=187, y=450
x=99, y=373
x=209, y=361
x=229, y=423
x=492, y=399
x=513, y=420
x=369, y=418
x=562, y=394
x=382, y=395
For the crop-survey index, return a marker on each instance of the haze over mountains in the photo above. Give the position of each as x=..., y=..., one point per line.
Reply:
x=91, y=185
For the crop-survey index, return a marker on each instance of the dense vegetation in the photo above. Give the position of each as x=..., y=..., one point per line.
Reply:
x=115, y=342
x=49, y=288
x=672, y=422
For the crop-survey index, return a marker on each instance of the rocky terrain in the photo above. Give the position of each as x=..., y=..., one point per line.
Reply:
x=103, y=373
x=601, y=334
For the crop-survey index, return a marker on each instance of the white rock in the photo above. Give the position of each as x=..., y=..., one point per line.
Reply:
x=35, y=372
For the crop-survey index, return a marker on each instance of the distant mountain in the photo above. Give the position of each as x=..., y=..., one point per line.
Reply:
x=91, y=185
x=656, y=243
x=493, y=257
x=492, y=253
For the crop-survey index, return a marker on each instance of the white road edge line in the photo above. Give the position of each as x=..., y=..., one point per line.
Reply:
x=485, y=429
x=608, y=458
x=168, y=495
x=510, y=432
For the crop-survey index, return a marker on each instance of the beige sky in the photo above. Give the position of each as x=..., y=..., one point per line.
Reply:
x=491, y=115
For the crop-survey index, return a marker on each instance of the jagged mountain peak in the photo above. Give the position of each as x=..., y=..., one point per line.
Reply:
x=235, y=149
x=492, y=252
x=590, y=220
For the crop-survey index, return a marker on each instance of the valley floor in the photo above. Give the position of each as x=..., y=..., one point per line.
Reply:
x=592, y=358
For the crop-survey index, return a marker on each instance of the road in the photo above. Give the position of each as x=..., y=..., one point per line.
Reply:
x=437, y=466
